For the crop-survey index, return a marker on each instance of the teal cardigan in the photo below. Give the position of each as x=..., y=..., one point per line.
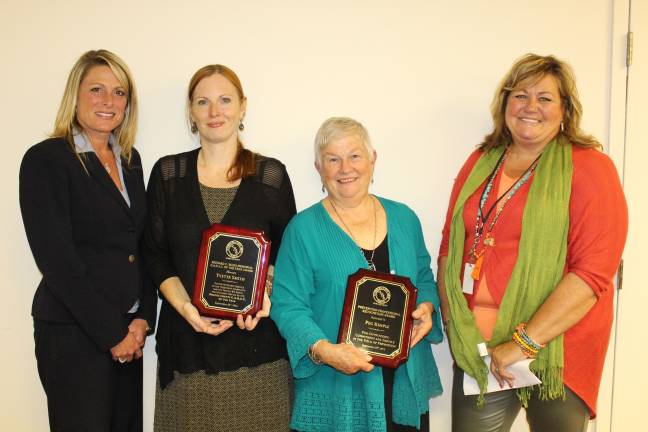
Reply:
x=314, y=262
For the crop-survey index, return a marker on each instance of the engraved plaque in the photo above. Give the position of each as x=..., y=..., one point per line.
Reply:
x=377, y=316
x=231, y=273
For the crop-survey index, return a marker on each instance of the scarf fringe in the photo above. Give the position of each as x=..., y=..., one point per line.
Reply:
x=552, y=386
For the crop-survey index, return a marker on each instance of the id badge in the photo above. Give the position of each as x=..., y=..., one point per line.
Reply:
x=468, y=281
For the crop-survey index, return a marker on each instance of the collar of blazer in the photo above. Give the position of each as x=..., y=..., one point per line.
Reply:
x=99, y=173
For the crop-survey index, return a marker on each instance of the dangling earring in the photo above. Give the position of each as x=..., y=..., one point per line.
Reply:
x=194, y=128
x=322, y=187
x=372, y=180
x=241, y=126
x=562, y=126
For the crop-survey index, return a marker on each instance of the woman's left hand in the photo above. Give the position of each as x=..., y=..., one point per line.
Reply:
x=502, y=356
x=139, y=327
x=422, y=322
x=269, y=280
x=249, y=323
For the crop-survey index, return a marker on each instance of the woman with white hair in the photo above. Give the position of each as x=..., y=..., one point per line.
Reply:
x=337, y=388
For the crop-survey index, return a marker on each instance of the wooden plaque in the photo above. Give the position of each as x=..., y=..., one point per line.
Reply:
x=377, y=316
x=231, y=273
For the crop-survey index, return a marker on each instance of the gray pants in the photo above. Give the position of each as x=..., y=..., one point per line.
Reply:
x=501, y=408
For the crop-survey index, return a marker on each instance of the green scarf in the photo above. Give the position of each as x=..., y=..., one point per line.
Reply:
x=539, y=268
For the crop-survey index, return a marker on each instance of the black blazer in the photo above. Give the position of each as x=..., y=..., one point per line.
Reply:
x=85, y=240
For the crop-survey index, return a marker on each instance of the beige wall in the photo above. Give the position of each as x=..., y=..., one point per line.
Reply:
x=630, y=399
x=419, y=74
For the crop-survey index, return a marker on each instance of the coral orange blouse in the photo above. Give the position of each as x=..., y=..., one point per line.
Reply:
x=598, y=219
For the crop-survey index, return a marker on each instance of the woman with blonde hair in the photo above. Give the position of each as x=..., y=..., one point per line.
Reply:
x=83, y=205
x=533, y=236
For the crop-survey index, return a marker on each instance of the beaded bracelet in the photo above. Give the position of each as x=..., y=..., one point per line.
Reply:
x=527, y=350
x=528, y=346
x=313, y=355
x=521, y=329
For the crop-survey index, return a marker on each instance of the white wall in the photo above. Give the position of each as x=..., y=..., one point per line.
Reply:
x=419, y=74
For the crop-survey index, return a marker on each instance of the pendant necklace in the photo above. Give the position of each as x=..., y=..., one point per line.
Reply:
x=104, y=164
x=370, y=260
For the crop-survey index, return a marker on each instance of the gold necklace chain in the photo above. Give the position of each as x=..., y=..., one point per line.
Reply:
x=370, y=261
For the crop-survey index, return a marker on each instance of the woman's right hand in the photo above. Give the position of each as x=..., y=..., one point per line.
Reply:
x=175, y=293
x=203, y=324
x=346, y=358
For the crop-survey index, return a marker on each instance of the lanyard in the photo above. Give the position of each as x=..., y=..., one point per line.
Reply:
x=476, y=256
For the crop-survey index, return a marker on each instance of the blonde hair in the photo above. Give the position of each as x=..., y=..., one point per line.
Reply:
x=245, y=160
x=66, y=120
x=335, y=128
x=530, y=69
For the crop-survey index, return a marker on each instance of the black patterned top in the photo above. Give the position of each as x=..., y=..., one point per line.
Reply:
x=217, y=201
x=177, y=219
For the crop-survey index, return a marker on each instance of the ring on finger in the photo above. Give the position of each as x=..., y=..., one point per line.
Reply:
x=122, y=360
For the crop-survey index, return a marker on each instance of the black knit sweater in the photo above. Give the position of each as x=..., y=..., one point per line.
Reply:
x=177, y=218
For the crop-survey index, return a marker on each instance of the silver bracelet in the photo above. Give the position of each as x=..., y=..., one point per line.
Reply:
x=313, y=355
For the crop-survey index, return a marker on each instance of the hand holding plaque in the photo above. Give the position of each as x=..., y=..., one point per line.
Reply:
x=250, y=322
x=231, y=273
x=377, y=316
x=203, y=324
x=422, y=325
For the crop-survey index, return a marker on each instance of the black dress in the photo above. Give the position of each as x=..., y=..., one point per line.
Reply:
x=207, y=382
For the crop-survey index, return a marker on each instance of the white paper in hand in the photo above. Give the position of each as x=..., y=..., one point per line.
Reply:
x=523, y=378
